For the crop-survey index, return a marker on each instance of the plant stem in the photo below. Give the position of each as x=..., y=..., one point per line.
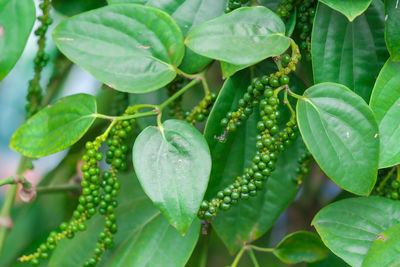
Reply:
x=287, y=103
x=382, y=184
x=238, y=257
x=204, y=249
x=253, y=258
x=125, y=117
x=61, y=69
x=261, y=249
x=9, y=180
x=179, y=93
x=9, y=201
x=57, y=188
x=296, y=95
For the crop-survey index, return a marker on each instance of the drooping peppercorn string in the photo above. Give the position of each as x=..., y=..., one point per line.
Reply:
x=98, y=193
x=258, y=87
x=304, y=21
x=34, y=96
x=201, y=111
x=270, y=141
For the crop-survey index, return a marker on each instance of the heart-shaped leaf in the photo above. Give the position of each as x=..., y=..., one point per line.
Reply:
x=144, y=236
x=249, y=220
x=55, y=127
x=256, y=30
x=16, y=22
x=384, y=251
x=349, y=227
x=385, y=102
x=341, y=132
x=350, y=53
x=350, y=8
x=173, y=168
x=392, y=28
x=301, y=246
x=131, y=48
x=188, y=14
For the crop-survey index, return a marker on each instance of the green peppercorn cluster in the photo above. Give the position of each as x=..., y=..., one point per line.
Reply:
x=175, y=107
x=34, y=96
x=305, y=20
x=269, y=145
x=285, y=8
x=99, y=192
x=235, y=4
x=389, y=184
x=201, y=111
x=303, y=170
x=259, y=87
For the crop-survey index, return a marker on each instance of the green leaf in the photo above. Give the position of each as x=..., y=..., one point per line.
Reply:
x=188, y=14
x=131, y=48
x=385, y=102
x=173, y=168
x=16, y=22
x=301, y=246
x=350, y=8
x=73, y=7
x=392, y=28
x=349, y=227
x=331, y=261
x=341, y=132
x=256, y=30
x=229, y=69
x=384, y=251
x=55, y=127
x=250, y=219
x=350, y=53
x=144, y=236
x=291, y=23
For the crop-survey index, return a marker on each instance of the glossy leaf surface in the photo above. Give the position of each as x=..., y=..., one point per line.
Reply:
x=341, y=132
x=250, y=219
x=301, y=246
x=349, y=53
x=392, y=28
x=256, y=30
x=131, y=48
x=16, y=22
x=144, y=236
x=188, y=14
x=349, y=227
x=385, y=102
x=384, y=251
x=56, y=127
x=173, y=169
x=350, y=8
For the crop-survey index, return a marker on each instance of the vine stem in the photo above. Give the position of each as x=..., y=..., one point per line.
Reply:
x=8, y=203
x=125, y=117
x=238, y=257
x=179, y=93
x=9, y=180
x=287, y=103
x=57, y=188
x=253, y=258
x=260, y=248
x=296, y=95
x=382, y=184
